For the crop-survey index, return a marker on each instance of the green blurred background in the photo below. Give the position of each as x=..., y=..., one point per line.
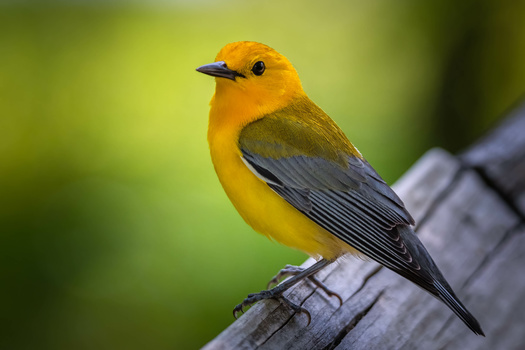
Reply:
x=115, y=233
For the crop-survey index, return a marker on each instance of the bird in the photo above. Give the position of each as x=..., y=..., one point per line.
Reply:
x=294, y=176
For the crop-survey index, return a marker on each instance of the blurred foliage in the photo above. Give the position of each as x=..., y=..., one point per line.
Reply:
x=115, y=233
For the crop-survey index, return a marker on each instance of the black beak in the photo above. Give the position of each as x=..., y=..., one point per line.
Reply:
x=219, y=69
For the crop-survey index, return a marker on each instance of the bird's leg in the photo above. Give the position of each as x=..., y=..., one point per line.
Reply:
x=298, y=274
x=291, y=270
x=287, y=271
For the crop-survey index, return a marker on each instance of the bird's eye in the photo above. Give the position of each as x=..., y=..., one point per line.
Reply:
x=258, y=68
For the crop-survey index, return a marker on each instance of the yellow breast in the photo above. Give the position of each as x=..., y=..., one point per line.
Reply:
x=264, y=210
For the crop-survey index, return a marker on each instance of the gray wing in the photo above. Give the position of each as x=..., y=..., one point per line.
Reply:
x=358, y=207
x=352, y=203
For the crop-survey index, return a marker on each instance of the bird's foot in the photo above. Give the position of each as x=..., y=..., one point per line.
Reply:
x=327, y=290
x=297, y=308
x=250, y=300
x=275, y=293
x=298, y=274
x=287, y=271
x=291, y=270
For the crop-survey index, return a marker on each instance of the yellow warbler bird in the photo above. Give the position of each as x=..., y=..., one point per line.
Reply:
x=293, y=176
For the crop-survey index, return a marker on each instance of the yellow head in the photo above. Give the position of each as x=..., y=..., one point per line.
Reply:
x=252, y=79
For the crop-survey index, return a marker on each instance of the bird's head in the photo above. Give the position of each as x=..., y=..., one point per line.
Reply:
x=254, y=76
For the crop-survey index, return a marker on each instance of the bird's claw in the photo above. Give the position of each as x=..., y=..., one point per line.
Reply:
x=287, y=271
x=237, y=309
x=298, y=274
x=252, y=299
x=296, y=308
x=291, y=270
x=255, y=297
x=327, y=290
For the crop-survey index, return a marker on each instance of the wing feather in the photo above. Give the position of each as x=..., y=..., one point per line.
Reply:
x=344, y=195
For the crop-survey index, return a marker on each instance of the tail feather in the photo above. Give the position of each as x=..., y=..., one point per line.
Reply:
x=449, y=298
x=430, y=278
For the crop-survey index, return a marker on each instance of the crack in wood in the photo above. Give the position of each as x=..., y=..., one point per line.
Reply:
x=438, y=200
x=490, y=183
x=479, y=269
x=278, y=329
x=353, y=322
x=511, y=232
x=358, y=317
x=366, y=278
x=293, y=314
x=495, y=251
x=446, y=345
x=248, y=338
x=445, y=326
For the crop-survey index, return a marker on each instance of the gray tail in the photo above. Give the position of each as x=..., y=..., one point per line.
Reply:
x=446, y=295
x=430, y=278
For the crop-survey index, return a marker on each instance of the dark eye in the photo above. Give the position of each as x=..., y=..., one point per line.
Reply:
x=258, y=68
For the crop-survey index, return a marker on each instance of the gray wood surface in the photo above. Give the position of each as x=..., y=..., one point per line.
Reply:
x=499, y=157
x=469, y=212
